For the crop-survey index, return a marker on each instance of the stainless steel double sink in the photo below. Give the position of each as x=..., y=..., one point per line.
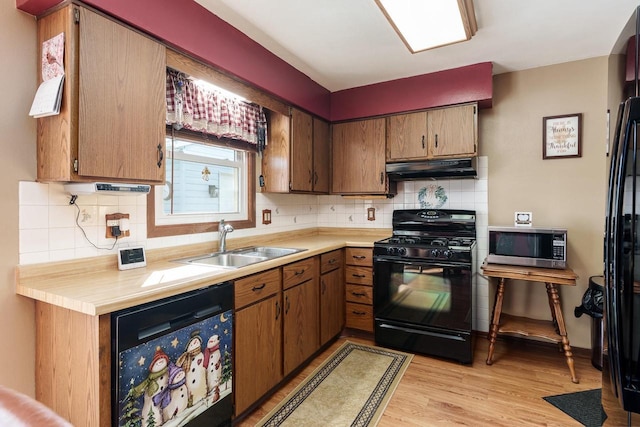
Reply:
x=240, y=257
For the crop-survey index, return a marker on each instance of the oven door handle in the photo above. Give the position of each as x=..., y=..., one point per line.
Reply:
x=421, y=262
x=421, y=332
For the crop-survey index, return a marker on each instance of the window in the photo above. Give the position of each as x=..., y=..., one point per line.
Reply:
x=207, y=179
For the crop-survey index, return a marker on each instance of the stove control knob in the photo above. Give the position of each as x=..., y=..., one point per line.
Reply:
x=402, y=251
x=435, y=253
x=447, y=254
x=391, y=250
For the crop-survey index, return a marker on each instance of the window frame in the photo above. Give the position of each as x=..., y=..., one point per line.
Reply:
x=154, y=230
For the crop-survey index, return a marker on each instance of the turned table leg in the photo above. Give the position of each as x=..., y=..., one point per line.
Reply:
x=554, y=301
x=495, y=320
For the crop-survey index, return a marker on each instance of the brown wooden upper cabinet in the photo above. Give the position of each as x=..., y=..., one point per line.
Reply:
x=358, y=158
x=297, y=156
x=438, y=133
x=112, y=119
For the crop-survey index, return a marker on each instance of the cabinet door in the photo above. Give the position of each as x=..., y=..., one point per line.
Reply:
x=301, y=151
x=258, y=351
x=331, y=305
x=407, y=136
x=321, y=152
x=358, y=157
x=275, y=159
x=300, y=323
x=121, y=116
x=453, y=131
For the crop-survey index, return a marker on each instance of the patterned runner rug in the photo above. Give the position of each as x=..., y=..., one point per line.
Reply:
x=351, y=388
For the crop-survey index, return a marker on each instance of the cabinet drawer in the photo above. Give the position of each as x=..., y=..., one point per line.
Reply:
x=359, y=275
x=360, y=316
x=331, y=261
x=359, y=256
x=298, y=272
x=359, y=293
x=254, y=288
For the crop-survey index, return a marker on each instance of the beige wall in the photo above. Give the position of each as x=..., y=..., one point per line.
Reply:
x=18, y=162
x=567, y=193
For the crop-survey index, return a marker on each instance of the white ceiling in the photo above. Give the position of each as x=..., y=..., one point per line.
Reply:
x=342, y=44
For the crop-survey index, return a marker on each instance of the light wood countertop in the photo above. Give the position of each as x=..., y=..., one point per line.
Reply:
x=95, y=286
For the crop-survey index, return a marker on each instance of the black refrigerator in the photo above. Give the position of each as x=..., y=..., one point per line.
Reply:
x=621, y=350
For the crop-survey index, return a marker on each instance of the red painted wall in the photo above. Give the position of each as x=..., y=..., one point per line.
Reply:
x=465, y=84
x=186, y=25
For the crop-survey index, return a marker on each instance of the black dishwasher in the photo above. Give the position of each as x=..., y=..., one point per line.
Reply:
x=172, y=360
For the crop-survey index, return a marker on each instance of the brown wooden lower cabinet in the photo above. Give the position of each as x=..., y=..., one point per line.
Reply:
x=300, y=327
x=331, y=295
x=358, y=277
x=258, y=351
x=301, y=315
x=73, y=364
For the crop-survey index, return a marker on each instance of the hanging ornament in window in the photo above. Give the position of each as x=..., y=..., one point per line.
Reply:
x=205, y=174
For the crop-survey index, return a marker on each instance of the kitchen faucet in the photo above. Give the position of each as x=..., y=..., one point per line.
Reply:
x=223, y=229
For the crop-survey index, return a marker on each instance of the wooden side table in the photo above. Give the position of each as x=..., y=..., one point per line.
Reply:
x=554, y=330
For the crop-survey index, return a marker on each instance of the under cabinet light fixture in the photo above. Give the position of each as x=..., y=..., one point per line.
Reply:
x=428, y=24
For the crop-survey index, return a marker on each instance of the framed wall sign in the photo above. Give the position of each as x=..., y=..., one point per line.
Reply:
x=562, y=136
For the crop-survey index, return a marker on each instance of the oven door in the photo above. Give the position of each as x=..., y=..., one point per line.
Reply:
x=424, y=306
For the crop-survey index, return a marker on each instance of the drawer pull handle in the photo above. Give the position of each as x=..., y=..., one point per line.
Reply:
x=297, y=273
x=359, y=256
x=358, y=313
x=358, y=294
x=287, y=305
x=333, y=261
x=258, y=288
x=278, y=310
x=361, y=276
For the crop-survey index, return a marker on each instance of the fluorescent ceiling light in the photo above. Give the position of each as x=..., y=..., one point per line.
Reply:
x=425, y=24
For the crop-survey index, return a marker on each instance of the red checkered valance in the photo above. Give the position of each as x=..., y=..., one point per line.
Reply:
x=200, y=108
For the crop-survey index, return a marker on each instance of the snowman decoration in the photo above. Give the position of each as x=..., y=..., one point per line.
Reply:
x=192, y=362
x=175, y=398
x=155, y=384
x=213, y=364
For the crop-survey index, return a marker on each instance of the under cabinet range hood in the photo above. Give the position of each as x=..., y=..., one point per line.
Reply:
x=118, y=189
x=433, y=169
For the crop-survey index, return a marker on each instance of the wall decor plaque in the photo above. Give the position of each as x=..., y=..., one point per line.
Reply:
x=562, y=136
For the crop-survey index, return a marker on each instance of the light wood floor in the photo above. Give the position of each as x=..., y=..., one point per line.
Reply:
x=435, y=392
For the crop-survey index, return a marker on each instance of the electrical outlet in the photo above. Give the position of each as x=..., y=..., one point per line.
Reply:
x=117, y=220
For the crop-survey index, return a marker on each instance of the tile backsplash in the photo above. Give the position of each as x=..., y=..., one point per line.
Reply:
x=52, y=229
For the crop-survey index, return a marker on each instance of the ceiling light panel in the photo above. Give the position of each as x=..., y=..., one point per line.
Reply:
x=424, y=24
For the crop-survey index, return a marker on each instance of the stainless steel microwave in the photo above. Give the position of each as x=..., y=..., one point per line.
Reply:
x=528, y=246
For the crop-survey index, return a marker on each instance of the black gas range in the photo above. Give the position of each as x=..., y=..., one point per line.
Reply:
x=424, y=281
